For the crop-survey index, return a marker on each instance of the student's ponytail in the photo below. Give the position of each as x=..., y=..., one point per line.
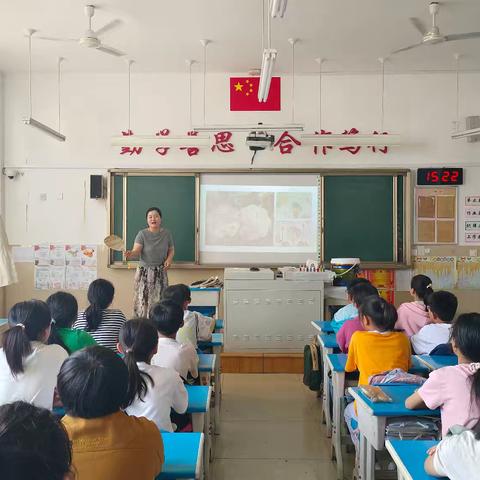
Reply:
x=27, y=320
x=138, y=339
x=466, y=336
x=382, y=314
x=422, y=286
x=100, y=295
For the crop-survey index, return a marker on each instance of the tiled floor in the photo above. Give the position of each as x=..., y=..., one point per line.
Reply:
x=271, y=429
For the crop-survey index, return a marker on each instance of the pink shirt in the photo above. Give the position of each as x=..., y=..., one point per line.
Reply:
x=344, y=335
x=449, y=389
x=412, y=317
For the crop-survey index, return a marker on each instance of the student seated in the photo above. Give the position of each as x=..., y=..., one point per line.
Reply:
x=441, y=310
x=156, y=390
x=106, y=442
x=182, y=357
x=348, y=311
x=33, y=444
x=101, y=322
x=375, y=350
x=359, y=293
x=456, y=389
x=64, y=310
x=455, y=457
x=28, y=366
x=412, y=316
x=196, y=327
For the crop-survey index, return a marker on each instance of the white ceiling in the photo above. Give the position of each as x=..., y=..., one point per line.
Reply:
x=160, y=34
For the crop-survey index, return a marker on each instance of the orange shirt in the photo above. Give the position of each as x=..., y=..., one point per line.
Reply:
x=372, y=353
x=116, y=447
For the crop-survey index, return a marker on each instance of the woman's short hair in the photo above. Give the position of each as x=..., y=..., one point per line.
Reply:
x=93, y=382
x=34, y=445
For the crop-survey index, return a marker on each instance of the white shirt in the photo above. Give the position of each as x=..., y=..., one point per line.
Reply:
x=430, y=336
x=37, y=382
x=182, y=357
x=167, y=392
x=457, y=457
x=196, y=327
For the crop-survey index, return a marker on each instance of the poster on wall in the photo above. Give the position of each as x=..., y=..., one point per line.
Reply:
x=442, y=270
x=470, y=226
x=468, y=271
x=436, y=215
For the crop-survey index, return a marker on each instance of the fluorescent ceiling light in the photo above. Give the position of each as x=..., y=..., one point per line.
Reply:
x=293, y=127
x=268, y=62
x=382, y=140
x=473, y=132
x=278, y=8
x=161, y=141
x=45, y=128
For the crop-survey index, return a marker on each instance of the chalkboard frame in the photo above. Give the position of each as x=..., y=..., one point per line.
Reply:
x=404, y=261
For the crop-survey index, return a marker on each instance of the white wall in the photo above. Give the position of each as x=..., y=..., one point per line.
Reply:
x=420, y=107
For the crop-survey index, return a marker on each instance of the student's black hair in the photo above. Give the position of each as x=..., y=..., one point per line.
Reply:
x=138, y=338
x=34, y=445
x=466, y=335
x=354, y=282
x=360, y=291
x=382, y=314
x=63, y=310
x=167, y=317
x=93, y=382
x=153, y=209
x=443, y=305
x=27, y=321
x=100, y=295
x=178, y=293
x=422, y=286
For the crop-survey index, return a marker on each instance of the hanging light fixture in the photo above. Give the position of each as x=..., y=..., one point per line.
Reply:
x=159, y=140
x=367, y=139
x=30, y=120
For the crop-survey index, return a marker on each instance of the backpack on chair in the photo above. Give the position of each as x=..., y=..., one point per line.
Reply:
x=312, y=367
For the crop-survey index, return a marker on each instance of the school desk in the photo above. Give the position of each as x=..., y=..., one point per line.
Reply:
x=199, y=406
x=218, y=325
x=434, y=362
x=183, y=456
x=205, y=300
x=327, y=344
x=409, y=457
x=372, y=419
x=3, y=324
x=336, y=364
x=323, y=327
x=208, y=364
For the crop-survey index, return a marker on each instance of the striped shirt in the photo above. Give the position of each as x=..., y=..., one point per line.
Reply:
x=107, y=332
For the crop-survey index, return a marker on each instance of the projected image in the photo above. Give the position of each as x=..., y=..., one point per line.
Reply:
x=270, y=219
x=239, y=218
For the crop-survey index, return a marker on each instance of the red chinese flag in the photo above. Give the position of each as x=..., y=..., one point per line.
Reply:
x=244, y=95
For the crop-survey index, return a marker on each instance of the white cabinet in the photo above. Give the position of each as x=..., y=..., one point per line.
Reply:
x=262, y=315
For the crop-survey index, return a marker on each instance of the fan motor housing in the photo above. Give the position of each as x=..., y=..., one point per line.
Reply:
x=90, y=42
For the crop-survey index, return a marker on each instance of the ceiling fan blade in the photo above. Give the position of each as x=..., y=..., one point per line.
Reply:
x=419, y=25
x=111, y=51
x=56, y=39
x=407, y=48
x=109, y=26
x=462, y=36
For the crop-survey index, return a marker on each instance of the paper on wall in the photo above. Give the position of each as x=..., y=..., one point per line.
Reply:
x=403, y=279
x=89, y=274
x=442, y=270
x=42, y=277
x=42, y=254
x=23, y=254
x=468, y=271
x=73, y=255
x=89, y=255
x=57, y=277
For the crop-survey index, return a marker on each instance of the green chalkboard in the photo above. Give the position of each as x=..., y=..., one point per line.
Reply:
x=363, y=217
x=175, y=196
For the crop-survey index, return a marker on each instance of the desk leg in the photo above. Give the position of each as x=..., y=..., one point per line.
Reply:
x=361, y=456
x=338, y=379
x=208, y=444
x=370, y=461
x=326, y=392
x=218, y=396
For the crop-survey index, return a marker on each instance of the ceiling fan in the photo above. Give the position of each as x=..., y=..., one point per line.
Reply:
x=90, y=38
x=432, y=36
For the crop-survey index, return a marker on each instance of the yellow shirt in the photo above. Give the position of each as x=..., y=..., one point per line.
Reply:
x=115, y=447
x=372, y=353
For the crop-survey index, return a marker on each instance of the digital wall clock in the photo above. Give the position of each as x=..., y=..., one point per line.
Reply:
x=440, y=176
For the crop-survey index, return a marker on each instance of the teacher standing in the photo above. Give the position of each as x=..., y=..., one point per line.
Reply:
x=154, y=247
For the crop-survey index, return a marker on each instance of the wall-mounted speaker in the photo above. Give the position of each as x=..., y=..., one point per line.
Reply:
x=97, y=186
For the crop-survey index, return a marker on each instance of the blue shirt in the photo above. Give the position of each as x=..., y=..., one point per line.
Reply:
x=341, y=316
